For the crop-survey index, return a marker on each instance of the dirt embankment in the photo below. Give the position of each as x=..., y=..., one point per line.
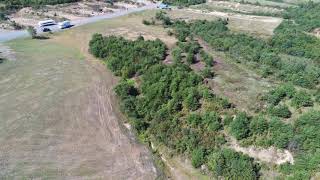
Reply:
x=269, y=155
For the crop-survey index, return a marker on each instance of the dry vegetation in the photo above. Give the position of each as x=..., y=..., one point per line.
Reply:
x=257, y=25
x=228, y=6
x=61, y=118
x=29, y=16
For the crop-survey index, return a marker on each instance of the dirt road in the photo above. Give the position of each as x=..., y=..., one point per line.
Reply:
x=10, y=35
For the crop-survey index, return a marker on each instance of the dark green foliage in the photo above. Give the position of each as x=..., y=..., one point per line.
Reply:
x=227, y=120
x=258, y=125
x=306, y=15
x=205, y=57
x=302, y=98
x=177, y=55
x=197, y=157
x=157, y=106
x=207, y=72
x=280, y=111
x=239, y=127
x=212, y=121
x=308, y=143
x=190, y=57
x=232, y=165
x=146, y=22
x=166, y=21
x=192, y=100
x=127, y=58
x=194, y=119
x=307, y=127
x=184, y=2
x=3, y=16
x=263, y=54
x=16, y=4
x=281, y=133
x=124, y=89
x=276, y=95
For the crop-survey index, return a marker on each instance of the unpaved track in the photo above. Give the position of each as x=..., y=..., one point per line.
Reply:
x=59, y=119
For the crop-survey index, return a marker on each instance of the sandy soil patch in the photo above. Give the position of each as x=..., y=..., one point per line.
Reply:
x=269, y=155
x=72, y=11
x=256, y=25
x=212, y=5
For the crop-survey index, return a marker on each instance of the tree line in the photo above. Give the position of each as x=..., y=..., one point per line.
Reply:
x=171, y=105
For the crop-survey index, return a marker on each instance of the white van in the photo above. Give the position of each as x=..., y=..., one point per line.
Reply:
x=48, y=22
x=64, y=24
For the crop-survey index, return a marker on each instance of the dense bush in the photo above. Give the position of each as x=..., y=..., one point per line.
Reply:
x=197, y=157
x=164, y=104
x=239, y=127
x=259, y=52
x=280, y=111
x=184, y=2
x=127, y=58
x=302, y=98
x=205, y=57
x=232, y=165
x=258, y=125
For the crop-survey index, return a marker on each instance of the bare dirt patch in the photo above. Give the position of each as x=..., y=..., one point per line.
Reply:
x=212, y=5
x=257, y=25
x=269, y=155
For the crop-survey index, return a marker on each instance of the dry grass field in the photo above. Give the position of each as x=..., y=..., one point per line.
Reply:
x=61, y=120
x=261, y=26
x=59, y=116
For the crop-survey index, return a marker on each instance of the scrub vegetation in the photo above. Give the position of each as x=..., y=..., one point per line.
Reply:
x=172, y=105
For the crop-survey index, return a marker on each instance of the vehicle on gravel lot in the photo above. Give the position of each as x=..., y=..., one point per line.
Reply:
x=48, y=22
x=64, y=24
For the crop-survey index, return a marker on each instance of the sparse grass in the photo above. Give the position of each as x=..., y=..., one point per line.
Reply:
x=234, y=7
x=55, y=115
x=256, y=25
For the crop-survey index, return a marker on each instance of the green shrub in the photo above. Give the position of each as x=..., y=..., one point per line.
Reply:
x=197, y=157
x=232, y=165
x=207, y=72
x=239, y=127
x=212, y=121
x=258, y=125
x=280, y=111
x=302, y=98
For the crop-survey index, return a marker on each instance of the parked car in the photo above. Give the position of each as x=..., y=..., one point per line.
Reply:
x=48, y=22
x=163, y=6
x=64, y=24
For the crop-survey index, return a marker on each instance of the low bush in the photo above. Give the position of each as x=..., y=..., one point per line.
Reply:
x=302, y=99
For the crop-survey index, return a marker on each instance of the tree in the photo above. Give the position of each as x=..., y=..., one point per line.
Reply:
x=258, y=125
x=239, y=127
